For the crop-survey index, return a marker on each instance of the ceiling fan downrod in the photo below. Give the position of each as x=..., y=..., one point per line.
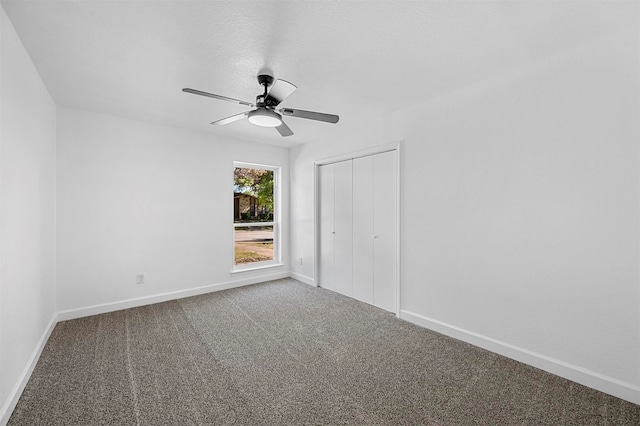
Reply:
x=266, y=81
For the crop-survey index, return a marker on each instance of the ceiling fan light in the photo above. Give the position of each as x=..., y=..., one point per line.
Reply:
x=265, y=118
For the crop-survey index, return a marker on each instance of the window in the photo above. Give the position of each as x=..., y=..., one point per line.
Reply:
x=255, y=216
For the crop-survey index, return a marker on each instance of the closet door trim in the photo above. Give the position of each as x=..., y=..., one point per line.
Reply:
x=316, y=222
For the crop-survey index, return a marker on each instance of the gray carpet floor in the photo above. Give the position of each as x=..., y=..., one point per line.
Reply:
x=286, y=353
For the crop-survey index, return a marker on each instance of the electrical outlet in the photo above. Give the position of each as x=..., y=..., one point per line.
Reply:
x=300, y=261
x=140, y=279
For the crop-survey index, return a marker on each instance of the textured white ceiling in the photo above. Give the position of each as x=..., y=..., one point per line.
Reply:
x=132, y=58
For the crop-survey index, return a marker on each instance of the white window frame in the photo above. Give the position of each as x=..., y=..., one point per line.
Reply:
x=275, y=223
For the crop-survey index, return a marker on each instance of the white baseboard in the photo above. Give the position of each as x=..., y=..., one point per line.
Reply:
x=609, y=385
x=14, y=395
x=164, y=297
x=302, y=278
x=16, y=392
x=577, y=374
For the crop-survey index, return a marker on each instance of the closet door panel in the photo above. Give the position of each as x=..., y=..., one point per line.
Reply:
x=343, y=217
x=384, y=230
x=363, y=229
x=326, y=250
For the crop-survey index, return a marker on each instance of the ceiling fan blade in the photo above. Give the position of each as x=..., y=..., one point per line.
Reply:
x=284, y=130
x=230, y=119
x=279, y=91
x=222, y=98
x=311, y=115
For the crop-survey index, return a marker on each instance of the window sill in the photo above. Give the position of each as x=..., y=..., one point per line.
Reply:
x=256, y=268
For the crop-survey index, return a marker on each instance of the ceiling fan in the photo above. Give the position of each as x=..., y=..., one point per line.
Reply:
x=266, y=113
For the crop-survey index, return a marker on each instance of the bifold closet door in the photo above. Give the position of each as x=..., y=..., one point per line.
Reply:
x=326, y=184
x=358, y=228
x=363, y=229
x=384, y=230
x=343, y=228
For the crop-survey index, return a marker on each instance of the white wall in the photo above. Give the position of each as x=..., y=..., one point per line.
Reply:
x=529, y=207
x=27, y=214
x=137, y=197
x=520, y=218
